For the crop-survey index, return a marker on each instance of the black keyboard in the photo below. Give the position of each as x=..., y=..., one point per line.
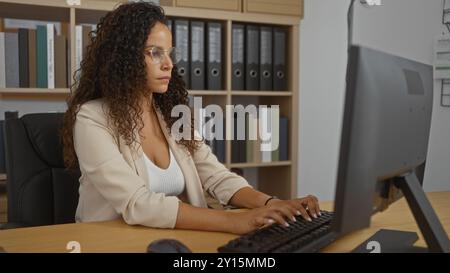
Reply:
x=298, y=237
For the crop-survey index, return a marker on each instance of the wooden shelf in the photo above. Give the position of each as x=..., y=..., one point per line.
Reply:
x=260, y=164
x=191, y=92
x=231, y=16
x=36, y=91
x=66, y=91
x=97, y=5
x=207, y=92
x=2, y=176
x=38, y=94
x=48, y=3
x=262, y=93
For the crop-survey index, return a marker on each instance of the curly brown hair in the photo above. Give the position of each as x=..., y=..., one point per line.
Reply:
x=114, y=69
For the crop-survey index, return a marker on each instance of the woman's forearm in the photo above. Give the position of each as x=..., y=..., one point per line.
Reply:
x=248, y=198
x=190, y=217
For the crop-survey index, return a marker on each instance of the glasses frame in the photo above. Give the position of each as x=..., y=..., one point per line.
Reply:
x=167, y=52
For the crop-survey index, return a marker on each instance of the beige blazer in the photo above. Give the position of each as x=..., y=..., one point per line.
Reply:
x=114, y=182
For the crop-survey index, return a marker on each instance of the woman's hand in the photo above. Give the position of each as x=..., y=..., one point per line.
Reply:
x=307, y=207
x=276, y=211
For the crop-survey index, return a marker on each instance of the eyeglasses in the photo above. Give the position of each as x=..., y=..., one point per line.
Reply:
x=157, y=54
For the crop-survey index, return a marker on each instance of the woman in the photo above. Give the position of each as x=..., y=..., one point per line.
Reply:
x=116, y=131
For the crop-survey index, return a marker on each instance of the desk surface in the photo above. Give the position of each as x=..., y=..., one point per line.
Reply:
x=116, y=236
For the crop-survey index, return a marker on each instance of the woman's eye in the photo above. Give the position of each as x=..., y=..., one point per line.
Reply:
x=158, y=53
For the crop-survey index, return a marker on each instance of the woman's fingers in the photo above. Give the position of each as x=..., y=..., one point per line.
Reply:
x=286, y=211
x=293, y=209
x=316, y=202
x=275, y=215
x=261, y=222
x=304, y=213
x=312, y=208
x=313, y=205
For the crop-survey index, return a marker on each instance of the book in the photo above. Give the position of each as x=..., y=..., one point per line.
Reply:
x=32, y=58
x=2, y=60
x=41, y=57
x=78, y=46
x=60, y=61
x=24, y=81
x=12, y=59
x=51, y=56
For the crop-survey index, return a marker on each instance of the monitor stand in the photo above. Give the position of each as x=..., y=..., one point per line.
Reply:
x=390, y=241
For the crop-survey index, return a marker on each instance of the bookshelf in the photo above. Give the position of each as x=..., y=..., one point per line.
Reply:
x=260, y=164
x=276, y=178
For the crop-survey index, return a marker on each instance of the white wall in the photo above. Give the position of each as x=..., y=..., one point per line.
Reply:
x=403, y=27
x=323, y=45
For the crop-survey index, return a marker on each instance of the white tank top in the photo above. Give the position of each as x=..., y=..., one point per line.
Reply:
x=169, y=181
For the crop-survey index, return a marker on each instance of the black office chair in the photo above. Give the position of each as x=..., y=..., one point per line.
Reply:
x=40, y=191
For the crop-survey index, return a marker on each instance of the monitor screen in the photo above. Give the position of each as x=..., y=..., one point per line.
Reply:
x=386, y=124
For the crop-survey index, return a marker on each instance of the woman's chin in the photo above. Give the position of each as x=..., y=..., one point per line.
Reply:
x=161, y=89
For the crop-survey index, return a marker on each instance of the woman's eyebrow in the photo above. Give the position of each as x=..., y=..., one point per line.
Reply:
x=159, y=47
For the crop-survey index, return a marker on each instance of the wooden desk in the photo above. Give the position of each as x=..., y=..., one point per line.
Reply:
x=116, y=236
x=397, y=217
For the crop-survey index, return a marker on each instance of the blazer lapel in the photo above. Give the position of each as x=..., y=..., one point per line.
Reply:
x=137, y=154
x=141, y=168
x=194, y=188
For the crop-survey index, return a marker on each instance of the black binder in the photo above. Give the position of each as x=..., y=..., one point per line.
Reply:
x=238, y=148
x=197, y=55
x=279, y=59
x=235, y=158
x=237, y=53
x=181, y=38
x=214, y=56
x=284, y=139
x=220, y=146
x=23, y=58
x=265, y=65
x=252, y=58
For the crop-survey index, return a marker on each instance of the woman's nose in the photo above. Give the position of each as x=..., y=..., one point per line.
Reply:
x=167, y=63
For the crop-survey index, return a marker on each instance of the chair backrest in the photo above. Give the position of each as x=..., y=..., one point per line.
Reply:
x=40, y=190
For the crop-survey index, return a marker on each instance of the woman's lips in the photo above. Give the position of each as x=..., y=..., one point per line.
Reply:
x=164, y=79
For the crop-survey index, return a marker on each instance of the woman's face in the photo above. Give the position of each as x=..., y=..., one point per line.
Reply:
x=157, y=59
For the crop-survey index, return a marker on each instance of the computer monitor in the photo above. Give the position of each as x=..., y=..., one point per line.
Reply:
x=386, y=124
